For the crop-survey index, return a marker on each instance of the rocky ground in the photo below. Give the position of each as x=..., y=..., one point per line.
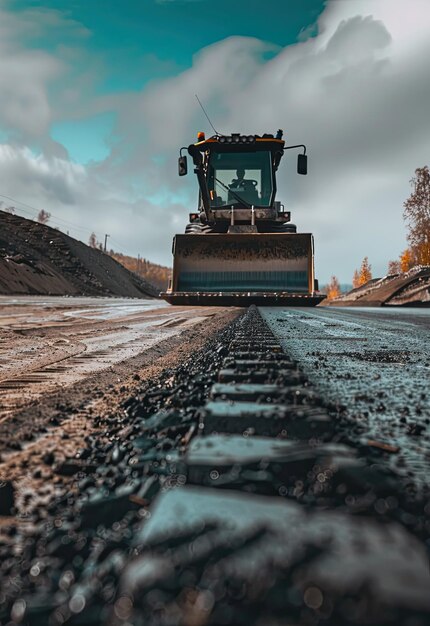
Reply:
x=37, y=259
x=409, y=289
x=218, y=488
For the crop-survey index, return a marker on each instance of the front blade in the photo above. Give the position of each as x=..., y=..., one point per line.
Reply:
x=243, y=263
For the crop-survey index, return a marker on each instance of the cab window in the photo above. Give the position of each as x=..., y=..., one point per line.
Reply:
x=240, y=177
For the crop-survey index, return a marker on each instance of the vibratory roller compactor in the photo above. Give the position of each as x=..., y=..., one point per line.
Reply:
x=240, y=246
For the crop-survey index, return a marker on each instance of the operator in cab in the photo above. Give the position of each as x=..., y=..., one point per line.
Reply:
x=246, y=188
x=239, y=181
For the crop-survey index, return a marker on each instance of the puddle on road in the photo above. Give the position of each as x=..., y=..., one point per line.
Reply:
x=32, y=364
x=37, y=310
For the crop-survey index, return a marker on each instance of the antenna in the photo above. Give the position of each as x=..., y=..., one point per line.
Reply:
x=207, y=116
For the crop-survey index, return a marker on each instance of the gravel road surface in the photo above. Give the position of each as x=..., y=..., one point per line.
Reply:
x=235, y=473
x=373, y=366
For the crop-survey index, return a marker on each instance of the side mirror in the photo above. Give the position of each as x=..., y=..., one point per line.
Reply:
x=182, y=166
x=302, y=164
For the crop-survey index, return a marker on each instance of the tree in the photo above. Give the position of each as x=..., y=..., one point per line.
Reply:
x=92, y=241
x=43, y=216
x=333, y=288
x=406, y=260
x=365, y=273
x=393, y=267
x=356, y=279
x=417, y=215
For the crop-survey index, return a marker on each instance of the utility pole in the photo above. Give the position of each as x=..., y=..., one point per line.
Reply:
x=106, y=238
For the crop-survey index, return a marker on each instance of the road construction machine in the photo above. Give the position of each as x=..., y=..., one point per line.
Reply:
x=240, y=246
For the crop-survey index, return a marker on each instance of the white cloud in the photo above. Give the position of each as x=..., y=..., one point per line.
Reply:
x=357, y=94
x=55, y=179
x=38, y=87
x=24, y=77
x=24, y=105
x=82, y=199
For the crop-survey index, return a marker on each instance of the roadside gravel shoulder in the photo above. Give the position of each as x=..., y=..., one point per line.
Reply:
x=41, y=436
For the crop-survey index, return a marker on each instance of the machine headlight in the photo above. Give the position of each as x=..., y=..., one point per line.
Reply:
x=251, y=138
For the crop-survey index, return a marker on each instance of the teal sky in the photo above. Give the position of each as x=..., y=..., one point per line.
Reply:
x=137, y=41
x=170, y=32
x=97, y=96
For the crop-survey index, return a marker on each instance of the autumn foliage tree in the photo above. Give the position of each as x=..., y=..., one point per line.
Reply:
x=362, y=275
x=417, y=215
x=393, y=268
x=333, y=288
x=365, y=271
x=406, y=260
x=158, y=275
x=356, y=279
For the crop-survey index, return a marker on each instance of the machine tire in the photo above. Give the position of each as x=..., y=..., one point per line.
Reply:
x=196, y=228
x=276, y=227
x=288, y=228
x=193, y=229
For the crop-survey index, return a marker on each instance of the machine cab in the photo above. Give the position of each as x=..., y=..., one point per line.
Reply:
x=241, y=179
x=237, y=175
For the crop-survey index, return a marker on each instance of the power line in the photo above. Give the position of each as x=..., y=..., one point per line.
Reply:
x=19, y=202
x=55, y=218
x=120, y=246
x=58, y=219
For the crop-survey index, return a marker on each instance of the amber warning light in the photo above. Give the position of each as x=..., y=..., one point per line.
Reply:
x=201, y=136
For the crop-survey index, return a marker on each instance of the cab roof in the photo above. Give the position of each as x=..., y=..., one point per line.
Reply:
x=239, y=143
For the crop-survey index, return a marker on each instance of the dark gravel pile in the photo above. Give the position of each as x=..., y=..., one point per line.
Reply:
x=38, y=259
x=226, y=494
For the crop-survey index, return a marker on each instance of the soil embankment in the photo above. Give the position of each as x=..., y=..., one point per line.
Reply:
x=409, y=289
x=39, y=260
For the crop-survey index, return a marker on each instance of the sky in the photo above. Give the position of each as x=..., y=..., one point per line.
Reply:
x=96, y=98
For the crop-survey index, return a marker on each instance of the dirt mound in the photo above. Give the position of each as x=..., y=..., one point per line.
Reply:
x=409, y=289
x=39, y=260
